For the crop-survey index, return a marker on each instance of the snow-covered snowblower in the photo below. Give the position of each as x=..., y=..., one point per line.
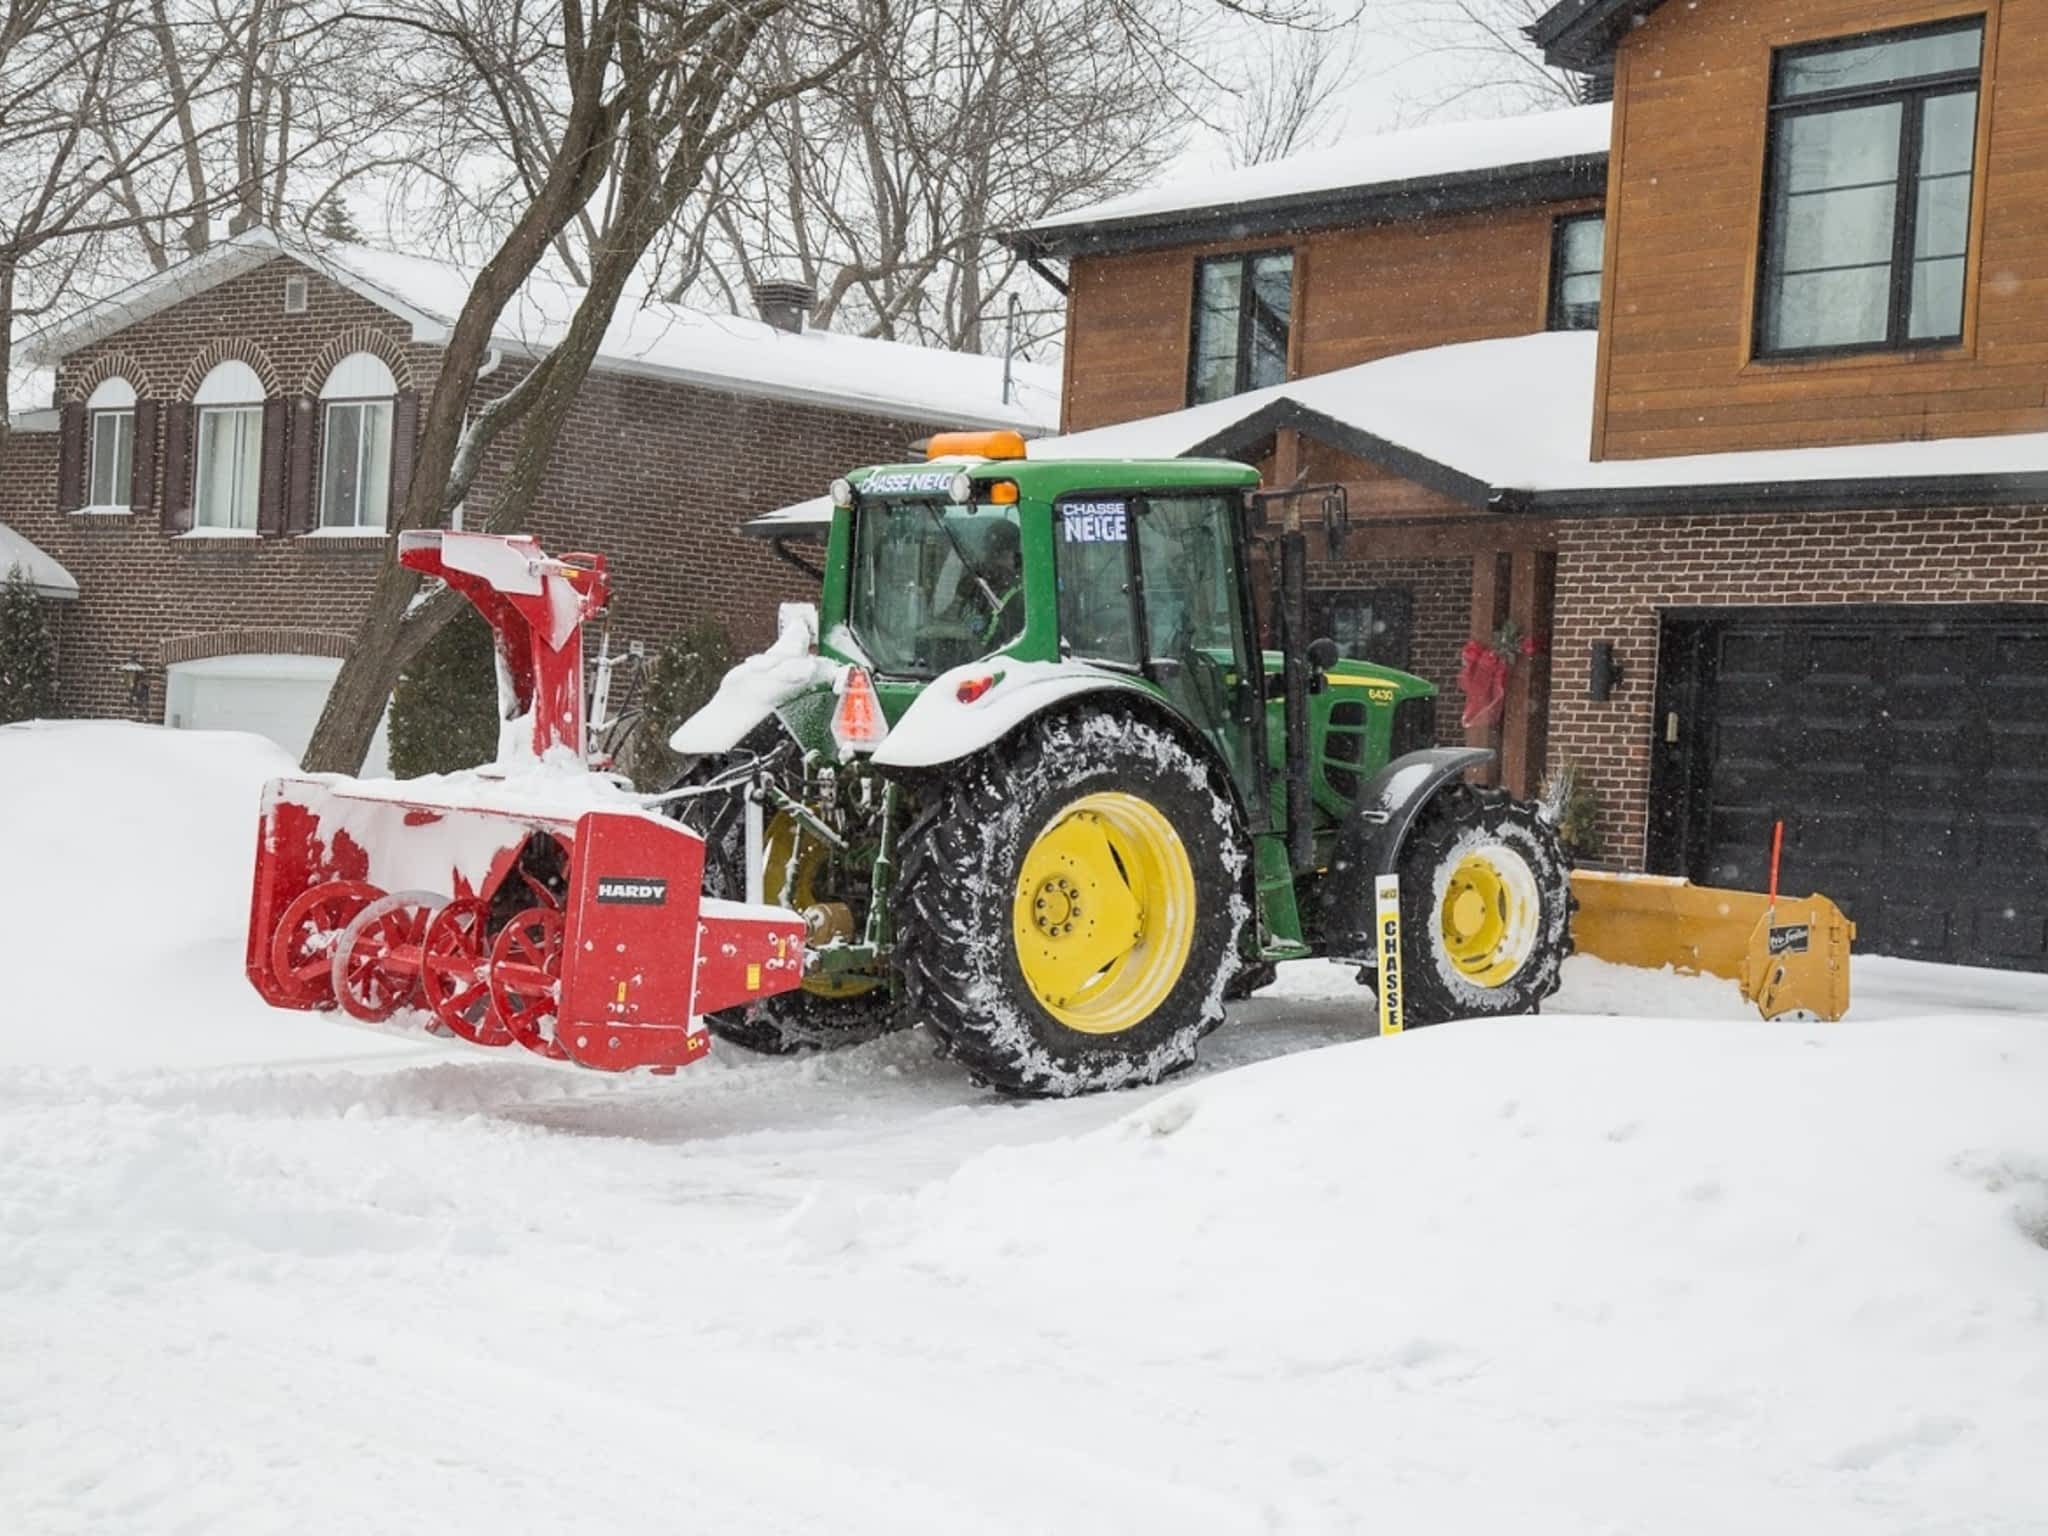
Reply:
x=534, y=902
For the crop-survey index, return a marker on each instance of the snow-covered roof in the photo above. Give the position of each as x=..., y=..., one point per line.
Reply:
x=647, y=337
x=1414, y=159
x=51, y=579
x=1510, y=422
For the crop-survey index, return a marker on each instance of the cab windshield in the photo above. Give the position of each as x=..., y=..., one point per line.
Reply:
x=935, y=585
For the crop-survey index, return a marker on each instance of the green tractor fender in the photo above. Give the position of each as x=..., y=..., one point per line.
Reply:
x=974, y=706
x=1369, y=842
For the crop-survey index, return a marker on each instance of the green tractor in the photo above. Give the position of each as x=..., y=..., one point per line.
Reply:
x=1034, y=784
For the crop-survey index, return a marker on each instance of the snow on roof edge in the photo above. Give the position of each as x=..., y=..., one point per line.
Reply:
x=1499, y=145
x=346, y=266
x=51, y=579
x=1513, y=415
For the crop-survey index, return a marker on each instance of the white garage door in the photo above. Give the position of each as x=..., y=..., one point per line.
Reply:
x=275, y=696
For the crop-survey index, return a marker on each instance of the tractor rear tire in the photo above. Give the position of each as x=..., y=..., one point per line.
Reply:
x=1485, y=908
x=1069, y=911
x=787, y=1022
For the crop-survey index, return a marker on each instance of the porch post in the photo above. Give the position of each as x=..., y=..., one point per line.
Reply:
x=1489, y=612
x=1525, y=722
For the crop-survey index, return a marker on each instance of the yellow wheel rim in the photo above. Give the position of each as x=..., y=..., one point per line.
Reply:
x=1104, y=913
x=1487, y=915
x=791, y=858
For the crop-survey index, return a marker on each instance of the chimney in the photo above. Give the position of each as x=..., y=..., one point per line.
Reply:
x=785, y=302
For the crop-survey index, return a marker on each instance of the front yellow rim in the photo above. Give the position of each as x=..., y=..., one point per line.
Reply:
x=791, y=858
x=1104, y=913
x=1482, y=922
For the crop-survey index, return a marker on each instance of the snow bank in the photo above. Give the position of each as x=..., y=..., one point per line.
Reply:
x=1427, y=154
x=1676, y=1271
x=1633, y=1274
x=128, y=855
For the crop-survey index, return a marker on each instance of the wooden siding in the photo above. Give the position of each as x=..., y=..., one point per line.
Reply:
x=1360, y=294
x=1685, y=214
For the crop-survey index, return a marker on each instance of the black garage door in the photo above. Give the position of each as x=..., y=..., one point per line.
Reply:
x=1905, y=748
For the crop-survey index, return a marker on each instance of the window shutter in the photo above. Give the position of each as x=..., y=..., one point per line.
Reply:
x=298, y=491
x=177, y=502
x=277, y=415
x=71, y=457
x=405, y=437
x=142, y=474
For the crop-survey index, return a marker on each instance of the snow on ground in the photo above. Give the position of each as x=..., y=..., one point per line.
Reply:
x=1675, y=1270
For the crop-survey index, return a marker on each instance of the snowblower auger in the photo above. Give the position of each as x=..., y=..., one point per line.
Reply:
x=532, y=901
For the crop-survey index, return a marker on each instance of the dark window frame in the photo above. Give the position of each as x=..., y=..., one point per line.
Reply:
x=1244, y=261
x=1912, y=97
x=1555, y=319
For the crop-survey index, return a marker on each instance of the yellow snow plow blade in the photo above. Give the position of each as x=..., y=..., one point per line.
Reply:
x=1793, y=960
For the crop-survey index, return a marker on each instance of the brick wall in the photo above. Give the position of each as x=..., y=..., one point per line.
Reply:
x=656, y=475
x=1439, y=621
x=1615, y=575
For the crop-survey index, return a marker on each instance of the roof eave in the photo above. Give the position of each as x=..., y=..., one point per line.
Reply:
x=232, y=258
x=1583, y=34
x=1559, y=180
x=1840, y=494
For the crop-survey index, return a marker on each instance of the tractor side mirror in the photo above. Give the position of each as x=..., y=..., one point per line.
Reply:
x=1322, y=654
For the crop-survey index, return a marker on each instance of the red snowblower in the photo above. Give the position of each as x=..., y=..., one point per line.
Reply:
x=535, y=901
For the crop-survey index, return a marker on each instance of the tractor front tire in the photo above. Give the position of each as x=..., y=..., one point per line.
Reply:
x=1069, y=911
x=1485, y=908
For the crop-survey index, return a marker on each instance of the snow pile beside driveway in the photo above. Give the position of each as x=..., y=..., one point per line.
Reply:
x=1573, y=1274
x=1672, y=1271
x=127, y=853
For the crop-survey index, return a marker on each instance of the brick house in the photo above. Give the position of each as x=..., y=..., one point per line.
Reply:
x=1730, y=399
x=227, y=437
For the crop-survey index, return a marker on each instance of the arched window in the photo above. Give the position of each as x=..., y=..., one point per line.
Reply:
x=111, y=410
x=355, y=436
x=230, y=405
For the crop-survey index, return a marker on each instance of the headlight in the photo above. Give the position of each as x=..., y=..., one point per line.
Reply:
x=842, y=492
x=962, y=488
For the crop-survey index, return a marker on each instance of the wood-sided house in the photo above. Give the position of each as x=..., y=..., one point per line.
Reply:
x=206, y=500
x=1723, y=413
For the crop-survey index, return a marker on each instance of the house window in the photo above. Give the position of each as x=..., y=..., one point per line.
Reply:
x=230, y=406
x=355, y=439
x=1575, y=248
x=112, y=412
x=1242, y=310
x=1872, y=159
x=1372, y=624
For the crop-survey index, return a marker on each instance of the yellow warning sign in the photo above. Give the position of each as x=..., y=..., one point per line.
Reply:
x=1387, y=926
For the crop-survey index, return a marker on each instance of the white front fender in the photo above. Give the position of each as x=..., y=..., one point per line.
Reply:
x=758, y=686
x=939, y=728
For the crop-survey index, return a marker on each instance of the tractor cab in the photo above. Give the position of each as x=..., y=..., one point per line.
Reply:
x=979, y=554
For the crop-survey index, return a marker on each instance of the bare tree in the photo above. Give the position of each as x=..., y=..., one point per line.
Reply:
x=649, y=92
x=151, y=126
x=887, y=189
x=76, y=115
x=1490, y=57
x=1288, y=101
x=280, y=106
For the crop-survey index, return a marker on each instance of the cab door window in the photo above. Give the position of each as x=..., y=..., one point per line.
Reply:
x=1194, y=622
x=1098, y=618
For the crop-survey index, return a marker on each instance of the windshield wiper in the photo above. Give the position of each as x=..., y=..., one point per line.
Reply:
x=931, y=509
